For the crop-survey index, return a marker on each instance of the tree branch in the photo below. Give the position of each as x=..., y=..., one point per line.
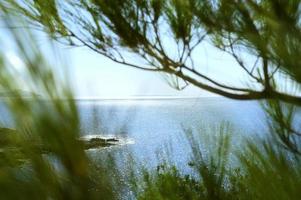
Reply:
x=215, y=82
x=110, y=57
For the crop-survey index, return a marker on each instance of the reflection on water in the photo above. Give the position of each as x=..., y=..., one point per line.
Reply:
x=150, y=126
x=158, y=125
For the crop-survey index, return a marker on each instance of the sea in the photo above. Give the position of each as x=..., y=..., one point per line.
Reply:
x=152, y=129
x=156, y=130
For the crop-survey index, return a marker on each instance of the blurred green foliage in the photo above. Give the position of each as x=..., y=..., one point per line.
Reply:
x=264, y=170
x=44, y=159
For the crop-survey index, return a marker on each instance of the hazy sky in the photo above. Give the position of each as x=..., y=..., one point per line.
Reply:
x=94, y=76
x=98, y=76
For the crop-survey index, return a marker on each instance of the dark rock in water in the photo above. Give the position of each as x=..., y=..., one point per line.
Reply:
x=8, y=138
x=98, y=142
x=112, y=140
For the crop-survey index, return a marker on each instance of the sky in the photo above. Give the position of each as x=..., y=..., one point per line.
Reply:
x=93, y=76
x=97, y=76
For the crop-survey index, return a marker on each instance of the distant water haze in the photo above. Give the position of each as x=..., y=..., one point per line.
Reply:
x=138, y=97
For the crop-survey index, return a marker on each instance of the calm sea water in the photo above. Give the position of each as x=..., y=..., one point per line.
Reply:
x=157, y=129
x=158, y=126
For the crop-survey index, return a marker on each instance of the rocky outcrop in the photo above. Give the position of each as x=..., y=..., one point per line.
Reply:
x=91, y=142
x=8, y=135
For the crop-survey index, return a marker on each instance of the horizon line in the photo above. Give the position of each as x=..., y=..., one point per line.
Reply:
x=151, y=97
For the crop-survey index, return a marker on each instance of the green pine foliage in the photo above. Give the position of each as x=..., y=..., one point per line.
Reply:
x=43, y=157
